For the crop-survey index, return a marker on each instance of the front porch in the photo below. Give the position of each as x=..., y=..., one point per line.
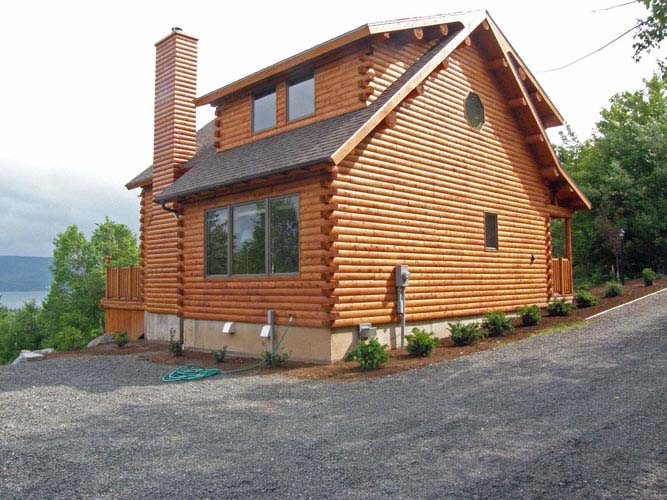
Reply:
x=559, y=273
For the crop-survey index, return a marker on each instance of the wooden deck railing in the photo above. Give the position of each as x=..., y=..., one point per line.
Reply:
x=123, y=283
x=561, y=274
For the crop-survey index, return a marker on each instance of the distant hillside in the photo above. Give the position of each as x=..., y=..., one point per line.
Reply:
x=24, y=274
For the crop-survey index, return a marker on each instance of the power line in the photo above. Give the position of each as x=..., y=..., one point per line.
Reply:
x=592, y=53
x=615, y=6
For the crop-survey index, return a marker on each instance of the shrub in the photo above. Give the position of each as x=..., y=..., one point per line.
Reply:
x=585, y=287
x=120, y=338
x=370, y=354
x=648, y=275
x=560, y=307
x=530, y=315
x=497, y=324
x=69, y=338
x=613, y=289
x=274, y=359
x=465, y=334
x=584, y=299
x=421, y=343
x=175, y=346
x=220, y=355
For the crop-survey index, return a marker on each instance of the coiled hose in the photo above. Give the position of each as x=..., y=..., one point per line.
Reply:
x=187, y=373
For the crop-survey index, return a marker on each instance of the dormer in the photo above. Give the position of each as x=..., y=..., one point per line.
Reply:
x=345, y=74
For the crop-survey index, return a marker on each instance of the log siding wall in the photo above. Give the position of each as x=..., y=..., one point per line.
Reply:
x=247, y=298
x=416, y=194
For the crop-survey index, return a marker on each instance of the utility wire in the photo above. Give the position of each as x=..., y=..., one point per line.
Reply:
x=592, y=53
x=615, y=6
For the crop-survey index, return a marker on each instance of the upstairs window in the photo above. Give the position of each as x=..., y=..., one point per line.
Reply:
x=491, y=231
x=301, y=97
x=264, y=111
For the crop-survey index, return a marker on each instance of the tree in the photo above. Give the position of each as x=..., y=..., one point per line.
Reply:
x=79, y=277
x=623, y=170
x=652, y=30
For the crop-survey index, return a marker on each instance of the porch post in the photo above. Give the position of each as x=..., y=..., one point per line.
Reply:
x=568, y=239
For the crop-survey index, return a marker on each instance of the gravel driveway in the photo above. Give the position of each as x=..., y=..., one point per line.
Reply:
x=576, y=415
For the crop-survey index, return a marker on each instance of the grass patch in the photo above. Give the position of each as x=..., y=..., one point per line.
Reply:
x=563, y=327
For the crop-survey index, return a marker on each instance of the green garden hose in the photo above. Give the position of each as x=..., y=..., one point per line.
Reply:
x=186, y=373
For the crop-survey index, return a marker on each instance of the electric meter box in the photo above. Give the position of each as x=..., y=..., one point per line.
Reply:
x=402, y=276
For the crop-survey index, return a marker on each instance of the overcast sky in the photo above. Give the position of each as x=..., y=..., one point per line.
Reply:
x=76, y=93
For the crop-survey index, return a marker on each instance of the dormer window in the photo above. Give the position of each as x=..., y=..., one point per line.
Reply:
x=264, y=110
x=301, y=97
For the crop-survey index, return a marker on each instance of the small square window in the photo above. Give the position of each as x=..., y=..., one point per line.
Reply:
x=491, y=231
x=301, y=97
x=264, y=111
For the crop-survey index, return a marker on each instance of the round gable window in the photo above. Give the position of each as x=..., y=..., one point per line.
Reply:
x=474, y=111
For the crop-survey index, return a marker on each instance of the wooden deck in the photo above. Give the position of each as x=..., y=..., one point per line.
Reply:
x=123, y=305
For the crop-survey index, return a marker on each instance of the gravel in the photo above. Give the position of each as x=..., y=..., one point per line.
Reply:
x=574, y=415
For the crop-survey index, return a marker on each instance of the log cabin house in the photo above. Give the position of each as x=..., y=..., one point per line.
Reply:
x=417, y=142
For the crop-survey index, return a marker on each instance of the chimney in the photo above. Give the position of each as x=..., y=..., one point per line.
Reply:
x=174, y=143
x=175, y=128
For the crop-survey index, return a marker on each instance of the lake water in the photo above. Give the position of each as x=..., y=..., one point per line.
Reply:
x=14, y=300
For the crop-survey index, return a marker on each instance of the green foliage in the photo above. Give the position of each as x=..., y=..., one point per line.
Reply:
x=175, y=345
x=79, y=272
x=121, y=339
x=530, y=315
x=497, y=324
x=652, y=30
x=583, y=299
x=20, y=329
x=370, y=354
x=613, y=289
x=220, y=355
x=69, y=338
x=560, y=307
x=421, y=343
x=623, y=171
x=274, y=359
x=649, y=276
x=465, y=333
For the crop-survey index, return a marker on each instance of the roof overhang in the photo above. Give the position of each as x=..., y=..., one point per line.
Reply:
x=326, y=48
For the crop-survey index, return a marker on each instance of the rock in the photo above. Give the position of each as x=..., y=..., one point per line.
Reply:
x=107, y=338
x=48, y=350
x=26, y=356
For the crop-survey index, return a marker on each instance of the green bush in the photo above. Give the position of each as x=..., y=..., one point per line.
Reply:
x=583, y=299
x=585, y=287
x=69, y=338
x=220, y=355
x=613, y=289
x=530, y=315
x=175, y=346
x=370, y=354
x=121, y=339
x=274, y=359
x=560, y=307
x=649, y=276
x=465, y=334
x=497, y=324
x=421, y=343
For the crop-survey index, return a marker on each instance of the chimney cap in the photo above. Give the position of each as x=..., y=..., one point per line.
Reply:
x=175, y=30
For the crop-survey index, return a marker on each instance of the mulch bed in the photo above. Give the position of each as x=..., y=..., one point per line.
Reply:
x=399, y=360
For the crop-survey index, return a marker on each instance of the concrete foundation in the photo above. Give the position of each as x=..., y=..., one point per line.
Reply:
x=158, y=326
x=313, y=345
